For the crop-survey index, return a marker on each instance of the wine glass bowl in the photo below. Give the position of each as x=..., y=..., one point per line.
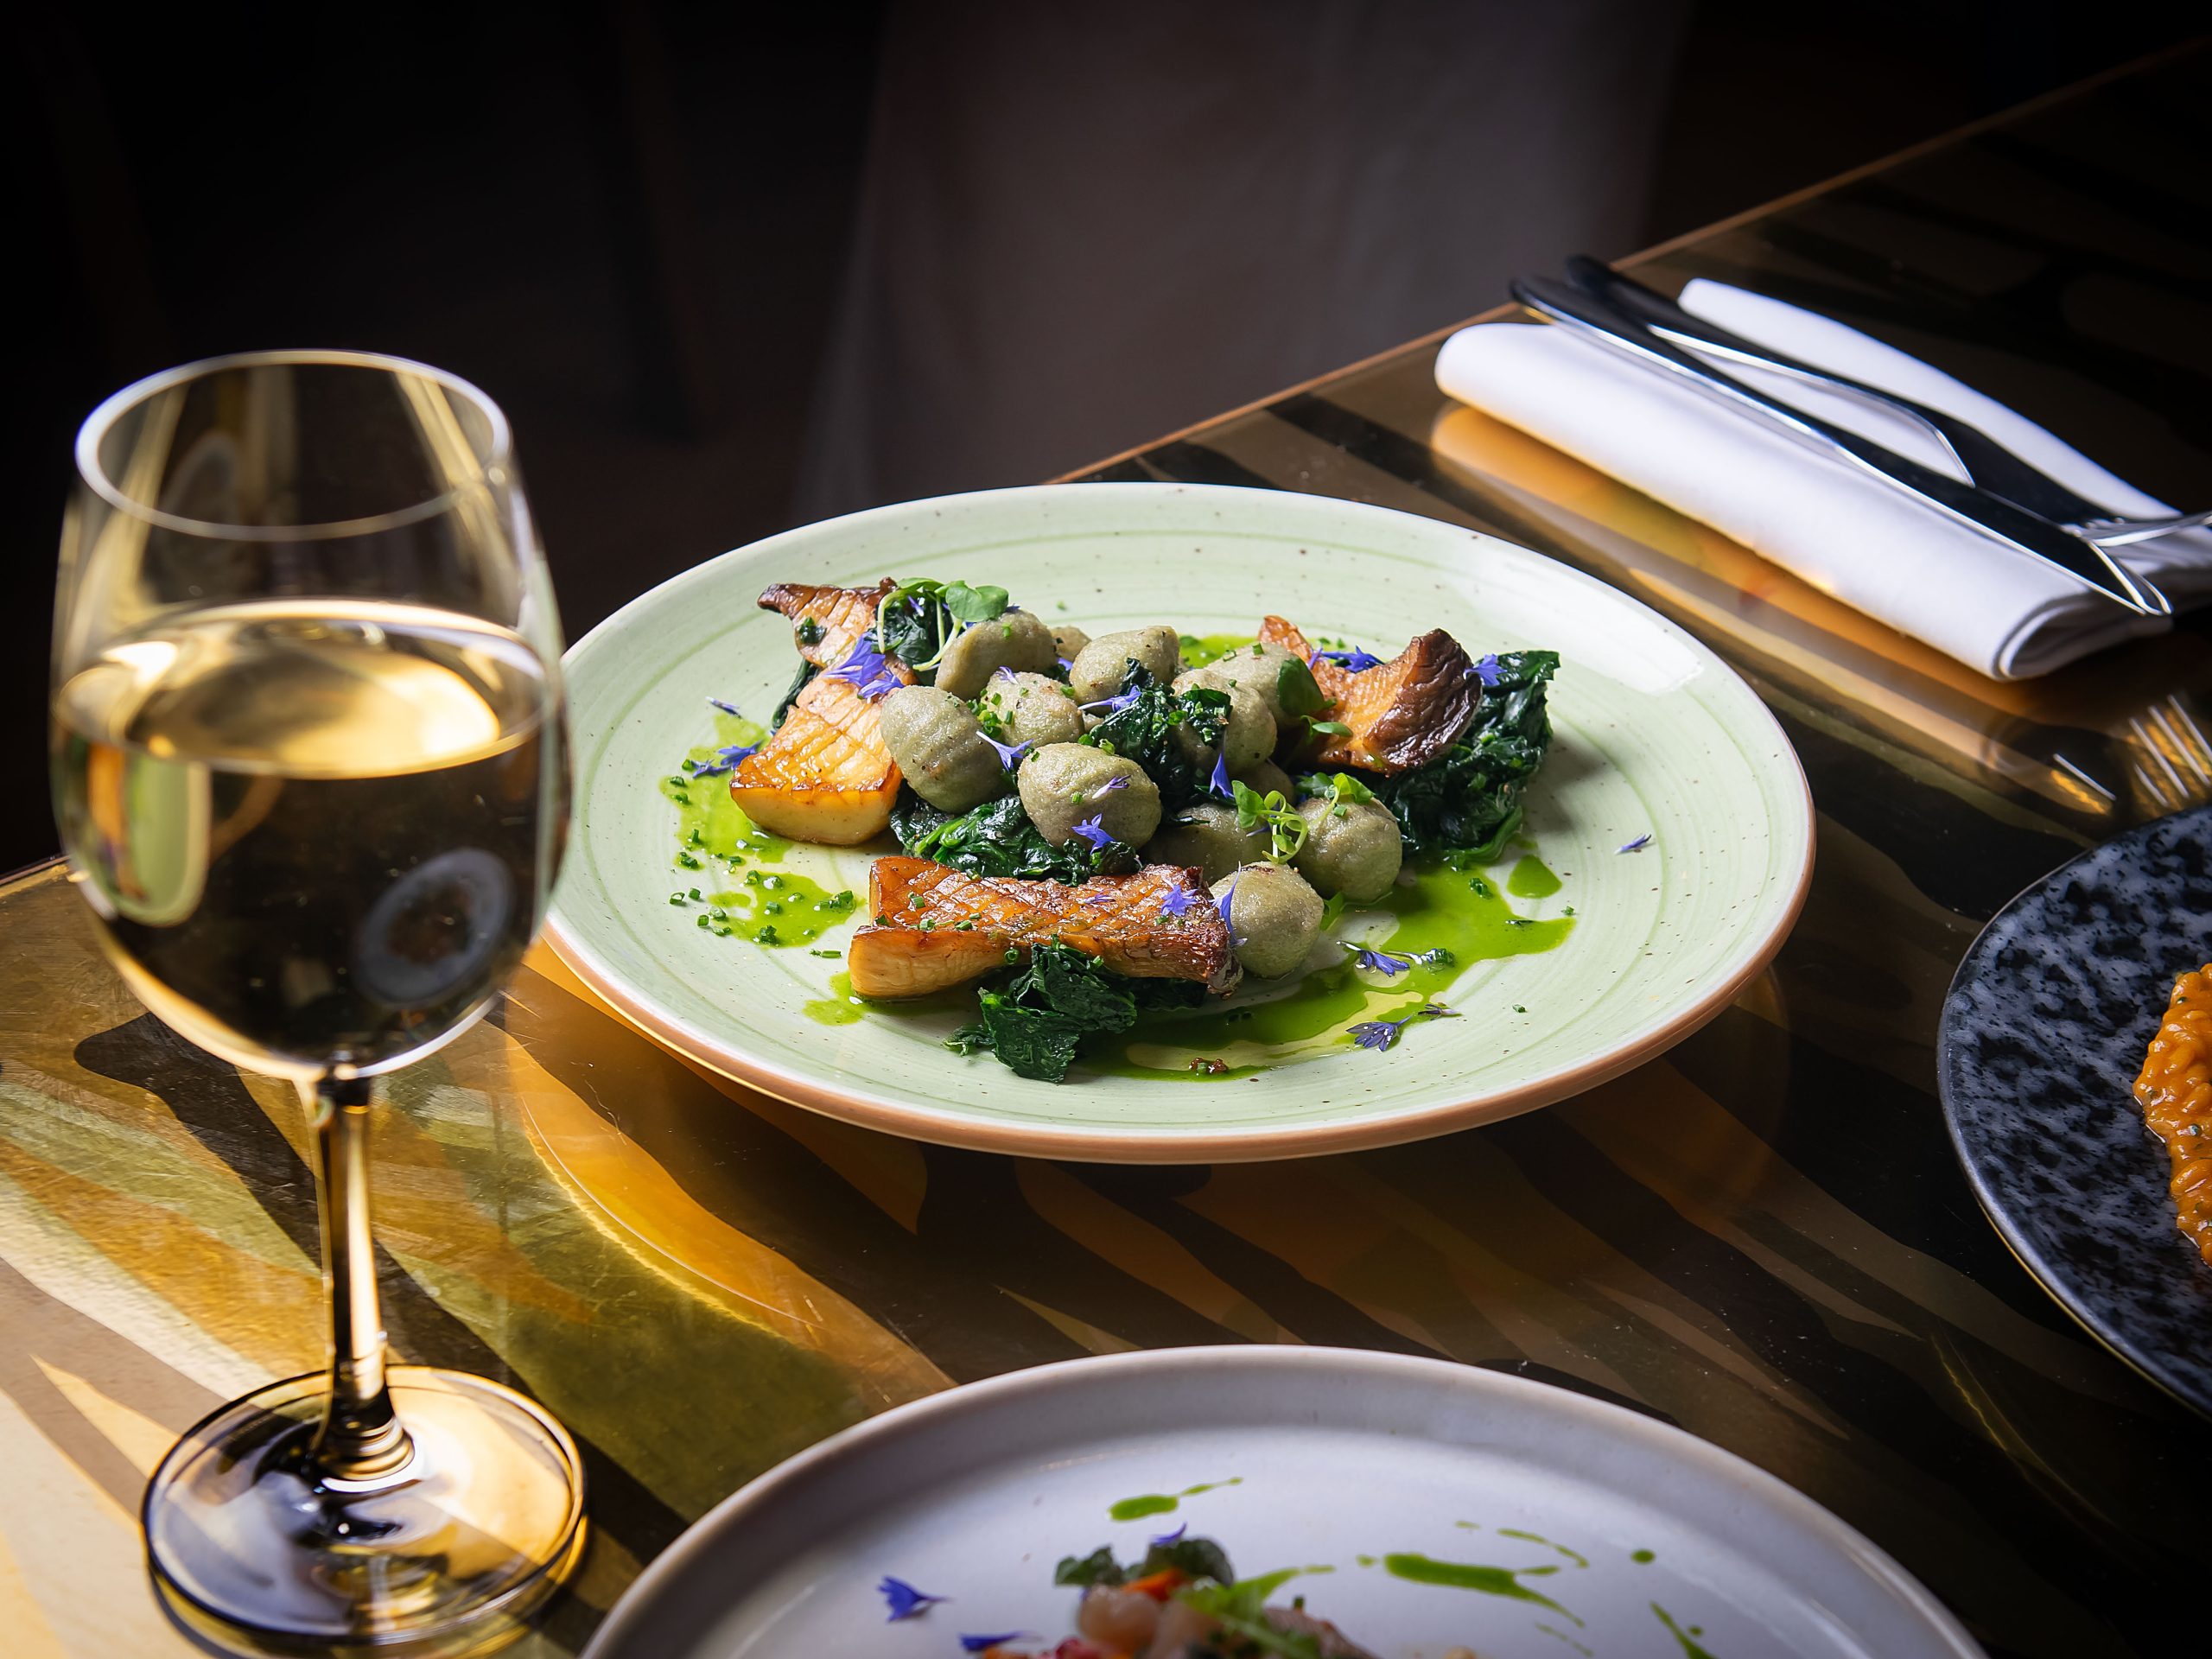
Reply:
x=311, y=774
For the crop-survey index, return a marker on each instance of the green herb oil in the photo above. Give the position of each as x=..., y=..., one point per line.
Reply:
x=1199, y=649
x=1438, y=910
x=1690, y=1649
x=1531, y=879
x=1461, y=1575
x=840, y=1008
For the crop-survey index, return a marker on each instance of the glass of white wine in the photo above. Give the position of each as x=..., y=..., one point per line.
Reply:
x=311, y=773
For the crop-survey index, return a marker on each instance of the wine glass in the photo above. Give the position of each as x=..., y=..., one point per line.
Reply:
x=310, y=771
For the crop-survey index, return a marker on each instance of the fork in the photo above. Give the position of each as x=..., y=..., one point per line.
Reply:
x=1987, y=462
x=2160, y=764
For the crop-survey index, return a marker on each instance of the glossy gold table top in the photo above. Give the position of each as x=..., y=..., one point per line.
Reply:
x=1763, y=1238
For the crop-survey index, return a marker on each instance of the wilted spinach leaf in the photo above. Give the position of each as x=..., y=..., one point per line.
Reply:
x=806, y=671
x=1034, y=1024
x=997, y=838
x=1143, y=730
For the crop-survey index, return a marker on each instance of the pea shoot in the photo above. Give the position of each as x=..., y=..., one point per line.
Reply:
x=1286, y=829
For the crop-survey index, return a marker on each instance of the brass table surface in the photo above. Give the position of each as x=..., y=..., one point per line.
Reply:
x=1763, y=1238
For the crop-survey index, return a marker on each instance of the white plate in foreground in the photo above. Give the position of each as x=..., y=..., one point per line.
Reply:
x=1655, y=736
x=1316, y=1458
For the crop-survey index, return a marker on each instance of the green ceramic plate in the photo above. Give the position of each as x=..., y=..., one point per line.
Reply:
x=1655, y=736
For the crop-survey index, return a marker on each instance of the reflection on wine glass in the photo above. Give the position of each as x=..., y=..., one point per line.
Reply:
x=310, y=769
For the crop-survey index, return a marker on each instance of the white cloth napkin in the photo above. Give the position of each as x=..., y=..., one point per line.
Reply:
x=1867, y=542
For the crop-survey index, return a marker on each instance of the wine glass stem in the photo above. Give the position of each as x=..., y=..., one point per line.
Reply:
x=361, y=1438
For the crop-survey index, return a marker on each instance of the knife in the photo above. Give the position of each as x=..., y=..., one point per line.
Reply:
x=1989, y=464
x=1990, y=513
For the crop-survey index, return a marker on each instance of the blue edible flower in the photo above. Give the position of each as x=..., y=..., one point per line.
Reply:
x=1219, y=784
x=1383, y=962
x=725, y=761
x=869, y=672
x=1119, y=780
x=1635, y=846
x=1354, y=661
x=1379, y=1035
x=1490, y=671
x=1092, y=830
x=1167, y=1539
x=1177, y=901
x=1009, y=753
x=1228, y=891
x=727, y=708
x=905, y=1600
x=1116, y=703
x=978, y=1643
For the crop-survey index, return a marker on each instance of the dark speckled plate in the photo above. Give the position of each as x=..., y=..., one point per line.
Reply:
x=2043, y=1035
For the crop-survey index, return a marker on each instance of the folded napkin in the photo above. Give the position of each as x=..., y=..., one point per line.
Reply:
x=1867, y=542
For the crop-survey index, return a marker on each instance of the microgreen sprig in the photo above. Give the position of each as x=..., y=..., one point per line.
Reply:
x=1286, y=829
x=1338, y=789
x=949, y=608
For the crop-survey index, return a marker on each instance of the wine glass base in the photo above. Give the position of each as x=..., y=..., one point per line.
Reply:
x=446, y=1556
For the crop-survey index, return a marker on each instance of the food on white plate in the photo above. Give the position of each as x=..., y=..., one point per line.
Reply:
x=1183, y=1600
x=1120, y=827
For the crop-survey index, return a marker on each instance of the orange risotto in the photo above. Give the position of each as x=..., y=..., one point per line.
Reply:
x=2176, y=1093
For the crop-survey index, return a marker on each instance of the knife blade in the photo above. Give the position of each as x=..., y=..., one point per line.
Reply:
x=1989, y=464
x=2036, y=537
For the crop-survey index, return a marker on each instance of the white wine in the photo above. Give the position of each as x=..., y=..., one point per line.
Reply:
x=316, y=834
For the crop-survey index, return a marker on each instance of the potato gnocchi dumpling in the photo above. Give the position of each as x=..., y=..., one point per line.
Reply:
x=1066, y=784
x=939, y=744
x=1103, y=663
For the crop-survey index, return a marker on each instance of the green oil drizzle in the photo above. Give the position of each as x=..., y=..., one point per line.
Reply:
x=1550, y=1630
x=1643, y=1556
x=840, y=1008
x=1690, y=1649
x=767, y=907
x=709, y=824
x=1531, y=879
x=1135, y=1508
x=1452, y=909
x=1578, y=1558
x=1364, y=1560
x=1199, y=649
x=775, y=908
x=1461, y=1575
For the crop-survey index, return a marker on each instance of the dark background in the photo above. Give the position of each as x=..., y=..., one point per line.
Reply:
x=627, y=223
